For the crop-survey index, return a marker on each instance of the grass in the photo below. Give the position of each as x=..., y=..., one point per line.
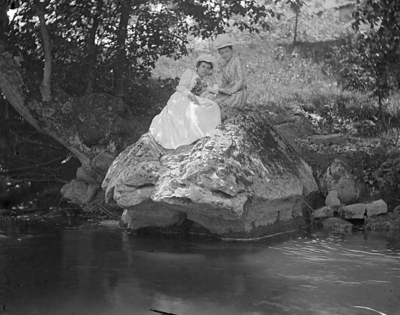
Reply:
x=278, y=73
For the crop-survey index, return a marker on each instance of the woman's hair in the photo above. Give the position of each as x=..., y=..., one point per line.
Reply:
x=230, y=47
x=199, y=63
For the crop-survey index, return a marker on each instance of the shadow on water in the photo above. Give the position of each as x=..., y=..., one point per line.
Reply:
x=99, y=270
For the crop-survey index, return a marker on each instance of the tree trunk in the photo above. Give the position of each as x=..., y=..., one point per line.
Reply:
x=46, y=85
x=295, y=27
x=3, y=18
x=92, y=53
x=120, y=61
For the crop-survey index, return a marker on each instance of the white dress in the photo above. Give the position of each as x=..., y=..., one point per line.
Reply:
x=182, y=122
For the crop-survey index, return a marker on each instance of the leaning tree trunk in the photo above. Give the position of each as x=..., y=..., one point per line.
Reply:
x=33, y=110
x=95, y=127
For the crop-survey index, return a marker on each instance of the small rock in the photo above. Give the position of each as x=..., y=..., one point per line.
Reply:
x=102, y=162
x=332, y=200
x=75, y=191
x=88, y=175
x=376, y=207
x=360, y=210
x=324, y=212
x=354, y=211
x=337, y=223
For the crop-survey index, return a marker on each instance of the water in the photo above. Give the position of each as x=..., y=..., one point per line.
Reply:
x=97, y=270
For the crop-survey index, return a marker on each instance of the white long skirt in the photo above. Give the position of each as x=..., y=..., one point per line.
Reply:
x=182, y=122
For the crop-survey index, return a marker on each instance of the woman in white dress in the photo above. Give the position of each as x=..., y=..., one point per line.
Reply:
x=191, y=111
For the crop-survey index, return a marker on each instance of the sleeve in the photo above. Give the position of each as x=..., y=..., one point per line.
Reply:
x=240, y=77
x=216, y=76
x=184, y=83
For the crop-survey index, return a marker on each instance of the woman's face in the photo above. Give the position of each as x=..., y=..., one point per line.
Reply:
x=226, y=53
x=204, y=69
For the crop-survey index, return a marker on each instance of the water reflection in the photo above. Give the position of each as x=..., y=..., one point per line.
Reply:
x=93, y=270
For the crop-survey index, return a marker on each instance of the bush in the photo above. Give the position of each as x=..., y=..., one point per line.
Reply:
x=370, y=56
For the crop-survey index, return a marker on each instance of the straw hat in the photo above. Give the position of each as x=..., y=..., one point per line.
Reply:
x=223, y=40
x=206, y=58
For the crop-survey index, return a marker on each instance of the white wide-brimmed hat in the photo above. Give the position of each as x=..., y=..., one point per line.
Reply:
x=206, y=58
x=223, y=40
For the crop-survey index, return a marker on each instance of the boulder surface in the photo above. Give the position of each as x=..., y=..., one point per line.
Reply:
x=241, y=180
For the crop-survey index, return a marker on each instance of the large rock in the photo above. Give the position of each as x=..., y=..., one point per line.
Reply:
x=297, y=128
x=241, y=180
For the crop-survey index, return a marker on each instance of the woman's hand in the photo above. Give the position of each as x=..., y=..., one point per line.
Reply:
x=193, y=98
x=213, y=89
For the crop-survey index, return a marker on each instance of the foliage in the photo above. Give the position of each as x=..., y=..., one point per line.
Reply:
x=387, y=178
x=90, y=44
x=370, y=57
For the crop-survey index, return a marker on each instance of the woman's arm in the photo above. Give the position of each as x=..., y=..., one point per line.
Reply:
x=184, y=82
x=240, y=76
x=184, y=85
